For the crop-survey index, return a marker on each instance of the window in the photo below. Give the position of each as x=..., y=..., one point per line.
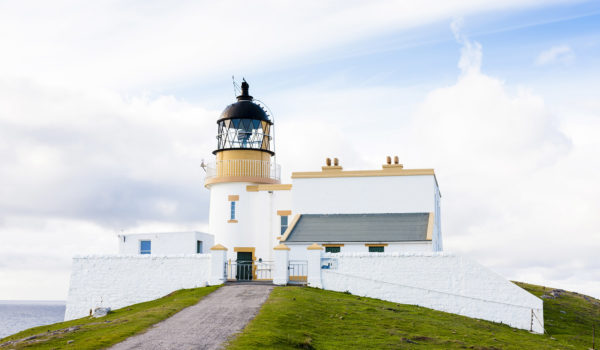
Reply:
x=232, y=217
x=333, y=249
x=199, y=247
x=145, y=247
x=284, y=223
x=376, y=249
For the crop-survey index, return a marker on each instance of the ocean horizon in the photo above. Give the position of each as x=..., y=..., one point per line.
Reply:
x=18, y=315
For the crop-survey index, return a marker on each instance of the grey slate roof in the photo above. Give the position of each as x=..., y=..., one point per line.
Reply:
x=399, y=227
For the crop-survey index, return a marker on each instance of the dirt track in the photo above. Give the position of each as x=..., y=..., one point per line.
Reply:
x=205, y=325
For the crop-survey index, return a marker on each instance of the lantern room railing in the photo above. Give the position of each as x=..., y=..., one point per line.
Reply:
x=243, y=168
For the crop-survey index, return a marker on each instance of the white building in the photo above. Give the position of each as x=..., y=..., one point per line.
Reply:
x=375, y=233
x=388, y=210
x=166, y=243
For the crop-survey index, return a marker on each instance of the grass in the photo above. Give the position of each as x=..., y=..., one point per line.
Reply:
x=98, y=333
x=569, y=316
x=308, y=318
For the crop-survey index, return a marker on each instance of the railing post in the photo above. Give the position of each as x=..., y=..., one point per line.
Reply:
x=314, y=266
x=282, y=273
x=217, y=265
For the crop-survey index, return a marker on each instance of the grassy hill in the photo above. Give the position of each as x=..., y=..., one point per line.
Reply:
x=308, y=318
x=99, y=333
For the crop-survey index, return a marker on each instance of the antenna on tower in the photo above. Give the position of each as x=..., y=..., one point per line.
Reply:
x=236, y=87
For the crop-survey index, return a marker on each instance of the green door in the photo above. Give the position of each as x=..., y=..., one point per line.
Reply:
x=244, y=266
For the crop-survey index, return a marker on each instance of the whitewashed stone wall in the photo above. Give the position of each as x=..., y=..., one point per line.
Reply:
x=117, y=281
x=439, y=281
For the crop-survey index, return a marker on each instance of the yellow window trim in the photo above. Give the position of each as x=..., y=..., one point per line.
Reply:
x=430, y=227
x=332, y=245
x=232, y=221
x=291, y=226
x=233, y=198
x=376, y=245
x=284, y=212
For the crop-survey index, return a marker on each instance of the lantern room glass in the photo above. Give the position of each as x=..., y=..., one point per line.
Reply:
x=241, y=133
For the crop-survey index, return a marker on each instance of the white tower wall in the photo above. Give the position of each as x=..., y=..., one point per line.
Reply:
x=257, y=224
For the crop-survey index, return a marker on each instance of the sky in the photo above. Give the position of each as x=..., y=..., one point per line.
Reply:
x=108, y=108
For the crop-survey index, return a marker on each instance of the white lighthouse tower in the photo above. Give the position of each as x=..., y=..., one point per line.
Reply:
x=248, y=205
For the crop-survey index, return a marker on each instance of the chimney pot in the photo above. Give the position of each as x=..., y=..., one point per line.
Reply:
x=396, y=161
x=335, y=162
x=328, y=161
x=388, y=160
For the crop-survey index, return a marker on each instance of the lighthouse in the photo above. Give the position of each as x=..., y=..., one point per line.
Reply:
x=249, y=207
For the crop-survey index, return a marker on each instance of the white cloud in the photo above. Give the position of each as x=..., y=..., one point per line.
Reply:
x=556, y=54
x=80, y=161
x=519, y=191
x=139, y=44
x=79, y=166
x=470, y=52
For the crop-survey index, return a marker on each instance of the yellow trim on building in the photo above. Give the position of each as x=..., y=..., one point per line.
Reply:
x=246, y=250
x=218, y=247
x=255, y=179
x=299, y=278
x=281, y=246
x=284, y=212
x=233, y=198
x=396, y=166
x=430, y=227
x=290, y=227
x=274, y=187
x=232, y=221
x=376, y=245
x=385, y=171
x=250, y=154
x=314, y=246
x=331, y=167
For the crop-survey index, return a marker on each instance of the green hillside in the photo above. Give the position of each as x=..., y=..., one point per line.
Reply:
x=568, y=316
x=99, y=333
x=307, y=318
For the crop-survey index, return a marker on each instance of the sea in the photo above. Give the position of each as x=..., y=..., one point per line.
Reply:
x=16, y=316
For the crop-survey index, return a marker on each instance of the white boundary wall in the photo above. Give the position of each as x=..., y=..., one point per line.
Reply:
x=117, y=281
x=439, y=281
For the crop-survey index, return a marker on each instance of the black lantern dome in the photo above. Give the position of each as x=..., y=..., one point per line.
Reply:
x=244, y=125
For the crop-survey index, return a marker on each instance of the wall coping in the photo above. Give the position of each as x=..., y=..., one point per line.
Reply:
x=143, y=256
x=392, y=254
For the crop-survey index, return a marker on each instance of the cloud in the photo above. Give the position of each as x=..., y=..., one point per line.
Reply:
x=140, y=44
x=470, y=52
x=82, y=160
x=78, y=166
x=557, y=54
x=518, y=194
x=98, y=156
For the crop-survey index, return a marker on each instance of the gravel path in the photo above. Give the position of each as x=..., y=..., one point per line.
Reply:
x=205, y=325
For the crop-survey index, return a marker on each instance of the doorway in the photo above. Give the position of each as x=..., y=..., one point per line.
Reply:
x=244, y=266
